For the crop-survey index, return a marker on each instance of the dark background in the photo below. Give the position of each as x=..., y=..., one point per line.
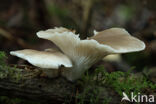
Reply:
x=21, y=19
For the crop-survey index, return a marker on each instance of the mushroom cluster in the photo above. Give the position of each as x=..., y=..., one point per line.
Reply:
x=78, y=55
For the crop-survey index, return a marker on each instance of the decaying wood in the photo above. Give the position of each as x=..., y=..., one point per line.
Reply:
x=36, y=87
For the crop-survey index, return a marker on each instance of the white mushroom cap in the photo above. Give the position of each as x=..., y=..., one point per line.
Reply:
x=119, y=40
x=85, y=53
x=59, y=30
x=71, y=44
x=44, y=59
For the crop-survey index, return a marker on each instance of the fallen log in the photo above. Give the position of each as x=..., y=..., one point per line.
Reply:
x=32, y=85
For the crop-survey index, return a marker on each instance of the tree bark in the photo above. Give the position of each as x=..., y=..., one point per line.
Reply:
x=33, y=87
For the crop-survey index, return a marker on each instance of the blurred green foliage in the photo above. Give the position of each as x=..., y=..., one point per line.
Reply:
x=138, y=59
x=62, y=14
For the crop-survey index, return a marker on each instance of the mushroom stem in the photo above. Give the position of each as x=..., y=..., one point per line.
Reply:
x=80, y=66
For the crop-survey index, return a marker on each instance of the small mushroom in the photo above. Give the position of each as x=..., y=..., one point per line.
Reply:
x=79, y=55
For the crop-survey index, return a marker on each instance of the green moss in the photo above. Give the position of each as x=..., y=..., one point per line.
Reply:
x=89, y=95
x=118, y=81
x=15, y=75
x=7, y=71
x=2, y=58
x=125, y=81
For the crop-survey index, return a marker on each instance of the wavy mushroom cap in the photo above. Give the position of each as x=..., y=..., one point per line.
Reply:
x=114, y=40
x=59, y=30
x=44, y=59
x=72, y=46
x=119, y=40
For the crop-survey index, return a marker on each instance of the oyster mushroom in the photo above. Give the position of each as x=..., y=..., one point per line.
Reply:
x=79, y=55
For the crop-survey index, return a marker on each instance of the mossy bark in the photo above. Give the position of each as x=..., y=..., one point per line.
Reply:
x=34, y=86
